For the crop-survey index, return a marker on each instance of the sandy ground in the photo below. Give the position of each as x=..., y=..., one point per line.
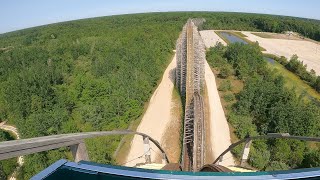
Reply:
x=20, y=159
x=219, y=130
x=171, y=140
x=210, y=38
x=278, y=36
x=307, y=51
x=156, y=118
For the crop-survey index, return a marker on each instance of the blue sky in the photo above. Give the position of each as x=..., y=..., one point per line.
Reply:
x=19, y=14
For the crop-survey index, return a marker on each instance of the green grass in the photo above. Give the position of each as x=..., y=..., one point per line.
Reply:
x=262, y=35
x=237, y=34
x=272, y=56
x=293, y=81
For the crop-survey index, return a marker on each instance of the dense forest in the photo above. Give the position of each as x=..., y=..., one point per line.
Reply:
x=97, y=74
x=87, y=75
x=265, y=105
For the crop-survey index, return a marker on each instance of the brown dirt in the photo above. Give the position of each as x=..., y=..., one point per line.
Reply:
x=208, y=147
x=171, y=141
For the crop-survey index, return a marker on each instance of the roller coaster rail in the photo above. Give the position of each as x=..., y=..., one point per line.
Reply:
x=75, y=141
x=248, y=141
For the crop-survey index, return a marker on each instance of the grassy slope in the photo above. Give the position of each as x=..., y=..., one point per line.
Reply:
x=262, y=35
x=293, y=81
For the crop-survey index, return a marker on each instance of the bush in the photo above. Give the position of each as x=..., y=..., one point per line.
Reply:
x=276, y=165
x=225, y=86
x=216, y=60
x=283, y=60
x=259, y=155
x=311, y=159
x=226, y=71
x=229, y=97
x=300, y=70
x=237, y=151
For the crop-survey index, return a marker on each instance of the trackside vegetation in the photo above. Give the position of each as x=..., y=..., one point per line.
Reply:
x=97, y=74
x=265, y=105
x=298, y=68
x=7, y=166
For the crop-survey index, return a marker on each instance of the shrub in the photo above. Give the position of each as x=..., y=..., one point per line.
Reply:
x=311, y=159
x=226, y=71
x=283, y=60
x=225, y=86
x=276, y=165
x=229, y=97
x=237, y=151
x=243, y=125
x=259, y=155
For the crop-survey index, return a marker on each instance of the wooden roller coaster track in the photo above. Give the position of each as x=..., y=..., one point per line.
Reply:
x=189, y=78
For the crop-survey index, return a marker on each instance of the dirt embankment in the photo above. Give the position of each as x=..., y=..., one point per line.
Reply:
x=219, y=128
x=156, y=119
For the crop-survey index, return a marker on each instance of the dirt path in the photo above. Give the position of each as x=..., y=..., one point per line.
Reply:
x=210, y=38
x=219, y=130
x=156, y=118
x=20, y=160
x=307, y=51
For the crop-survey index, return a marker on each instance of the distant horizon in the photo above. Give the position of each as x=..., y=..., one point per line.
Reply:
x=40, y=25
x=17, y=15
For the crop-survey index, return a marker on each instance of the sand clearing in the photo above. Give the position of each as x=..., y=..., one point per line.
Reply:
x=307, y=51
x=156, y=118
x=219, y=130
x=210, y=38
